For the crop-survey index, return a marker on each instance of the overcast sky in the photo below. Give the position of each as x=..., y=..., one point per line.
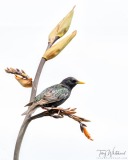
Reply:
x=98, y=55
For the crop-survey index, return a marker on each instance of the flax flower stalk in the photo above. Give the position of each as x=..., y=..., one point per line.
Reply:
x=50, y=53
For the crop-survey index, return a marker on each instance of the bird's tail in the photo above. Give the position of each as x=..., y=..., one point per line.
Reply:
x=29, y=104
x=31, y=109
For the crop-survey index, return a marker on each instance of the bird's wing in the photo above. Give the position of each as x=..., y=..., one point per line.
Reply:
x=52, y=94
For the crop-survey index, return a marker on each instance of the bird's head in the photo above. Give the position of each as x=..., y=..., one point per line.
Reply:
x=71, y=82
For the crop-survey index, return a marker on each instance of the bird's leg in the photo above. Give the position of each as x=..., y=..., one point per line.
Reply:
x=58, y=114
x=59, y=110
x=52, y=112
x=45, y=108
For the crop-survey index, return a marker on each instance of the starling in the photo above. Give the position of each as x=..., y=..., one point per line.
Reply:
x=53, y=96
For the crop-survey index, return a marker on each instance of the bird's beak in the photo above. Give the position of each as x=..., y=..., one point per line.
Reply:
x=80, y=82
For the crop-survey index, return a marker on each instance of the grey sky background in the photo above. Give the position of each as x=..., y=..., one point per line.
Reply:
x=97, y=55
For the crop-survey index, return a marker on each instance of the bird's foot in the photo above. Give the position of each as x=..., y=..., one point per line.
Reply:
x=52, y=113
x=58, y=114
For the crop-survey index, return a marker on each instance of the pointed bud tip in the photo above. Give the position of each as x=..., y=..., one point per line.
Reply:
x=61, y=28
x=6, y=70
x=74, y=32
x=91, y=139
x=74, y=7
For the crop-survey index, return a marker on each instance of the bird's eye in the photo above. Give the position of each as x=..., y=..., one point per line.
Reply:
x=74, y=81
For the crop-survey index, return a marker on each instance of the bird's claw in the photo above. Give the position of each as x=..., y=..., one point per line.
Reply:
x=57, y=116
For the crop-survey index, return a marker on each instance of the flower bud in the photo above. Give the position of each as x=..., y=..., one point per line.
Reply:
x=24, y=82
x=61, y=28
x=86, y=133
x=84, y=130
x=58, y=47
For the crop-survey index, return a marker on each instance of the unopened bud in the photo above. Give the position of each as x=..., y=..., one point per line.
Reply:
x=58, y=47
x=84, y=130
x=24, y=82
x=61, y=28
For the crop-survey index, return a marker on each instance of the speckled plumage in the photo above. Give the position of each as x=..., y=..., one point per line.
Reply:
x=53, y=96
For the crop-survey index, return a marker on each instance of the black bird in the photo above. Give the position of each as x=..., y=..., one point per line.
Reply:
x=53, y=96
